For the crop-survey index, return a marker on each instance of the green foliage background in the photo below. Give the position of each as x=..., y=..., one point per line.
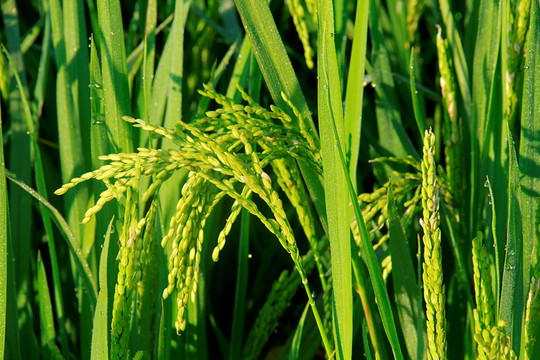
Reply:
x=378, y=112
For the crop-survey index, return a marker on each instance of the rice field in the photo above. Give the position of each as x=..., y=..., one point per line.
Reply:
x=294, y=179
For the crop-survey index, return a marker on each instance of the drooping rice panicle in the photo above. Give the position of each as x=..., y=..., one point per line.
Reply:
x=129, y=272
x=434, y=290
x=299, y=15
x=291, y=184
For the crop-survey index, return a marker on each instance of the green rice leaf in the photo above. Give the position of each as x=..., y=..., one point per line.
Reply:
x=240, y=295
x=419, y=112
x=80, y=261
x=100, y=330
x=512, y=301
x=19, y=154
x=331, y=116
x=46, y=318
x=355, y=88
x=114, y=73
x=392, y=135
x=296, y=341
x=367, y=348
x=42, y=189
x=484, y=67
x=406, y=289
x=4, y=238
x=69, y=132
x=529, y=154
x=497, y=253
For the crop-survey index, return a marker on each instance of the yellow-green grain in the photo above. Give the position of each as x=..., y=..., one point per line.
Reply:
x=432, y=276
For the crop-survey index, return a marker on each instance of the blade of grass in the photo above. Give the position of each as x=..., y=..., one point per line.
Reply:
x=149, y=58
x=76, y=40
x=19, y=158
x=497, y=254
x=69, y=135
x=512, y=302
x=331, y=115
x=170, y=191
x=160, y=85
x=240, y=71
x=367, y=349
x=296, y=341
x=398, y=27
x=460, y=64
x=176, y=73
x=419, y=112
x=100, y=330
x=484, y=66
x=240, y=295
x=88, y=279
x=4, y=233
x=355, y=88
x=31, y=35
x=366, y=297
x=529, y=154
x=114, y=73
x=406, y=289
x=42, y=189
x=44, y=65
x=370, y=259
x=389, y=122
x=46, y=319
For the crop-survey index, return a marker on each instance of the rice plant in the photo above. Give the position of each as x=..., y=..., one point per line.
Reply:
x=291, y=179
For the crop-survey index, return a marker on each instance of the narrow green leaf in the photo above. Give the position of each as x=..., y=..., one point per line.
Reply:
x=367, y=348
x=240, y=295
x=176, y=70
x=88, y=279
x=114, y=73
x=370, y=259
x=240, y=71
x=512, y=302
x=355, y=88
x=297, y=339
x=4, y=235
x=76, y=40
x=19, y=154
x=485, y=59
x=149, y=59
x=336, y=197
x=392, y=135
x=406, y=289
x=44, y=66
x=100, y=330
x=497, y=253
x=46, y=318
x=419, y=113
x=529, y=154
x=30, y=119
x=69, y=132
